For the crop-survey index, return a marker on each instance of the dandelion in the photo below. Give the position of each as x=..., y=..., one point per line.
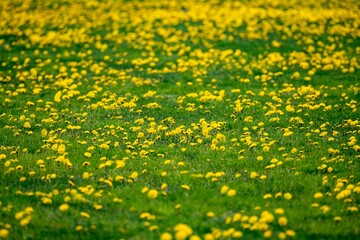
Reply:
x=290, y=233
x=267, y=196
x=19, y=215
x=134, y=175
x=153, y=193
x=279, y=211
x=27, y=125
x=318, y=195
x=343, y=194
x=315, y=205
x=290, y=108
x=25, y=221
x=356, y=189
x=186, y=187
x=144, y=189
x=182, y=231
x=231, y=193
x=282, y=235
x=352, y=209
x=224, y=189
x=64, y=207
x=210, y=214
x=253, y=175
x=267, y=234
x=287, y=196
x=97, y=206
x=282, y=221
x=4, y=233
x=86, y=175
x=85, y=214
x=46, y=200
x=79, y=228
x=324, y=209
x=166, y=236
x=263, y=177
x=57, y=97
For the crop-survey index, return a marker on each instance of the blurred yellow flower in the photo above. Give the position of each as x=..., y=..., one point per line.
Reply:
x=4, y=233
x=152, y=193
x=318, y=195
x=231, y=193
x=282, y=221
x=64, y=207
x=287, y=196
x=166, y=236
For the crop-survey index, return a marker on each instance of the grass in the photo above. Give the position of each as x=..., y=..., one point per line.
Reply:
x=179, y=120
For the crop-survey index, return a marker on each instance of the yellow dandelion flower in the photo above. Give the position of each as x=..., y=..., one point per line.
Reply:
x=57, y=96
x=287, y=196
x=64, y=207
x=231, y=193
x=263, y=177
x=29, y=210
x=86, y=175
x=282, y=235
x=46, y=200
x=210, y=214
x=27, y=125
x=356, y=189
x=183, y=228
x=282, y=221
x=195, y=237
x=180, y=235
x=267, y=196
x=134, y=175
x=224, y=189
x=324, y=209
x=97, y=206
x=253, y=175
x=85, y=214
x=186, y=187
x=4, y=233
x=318, y=195
x=166, y=236
x=25, y=221
x=253, y=219
x=79, y=228
x=290, y=233
x=353, y=209
x=237, y=234
x=279, y=211
x=267, y=234
x=153, y=193
x=236, y=217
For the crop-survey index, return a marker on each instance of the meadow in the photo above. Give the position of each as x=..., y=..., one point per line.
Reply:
x=179, y=119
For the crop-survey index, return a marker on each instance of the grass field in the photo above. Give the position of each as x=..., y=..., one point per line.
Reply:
x=179, y=119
